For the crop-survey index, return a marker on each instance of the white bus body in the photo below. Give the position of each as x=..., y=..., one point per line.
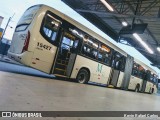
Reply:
x=43, y=59
x=34, y=45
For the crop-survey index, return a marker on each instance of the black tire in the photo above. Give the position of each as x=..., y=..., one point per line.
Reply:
x=83, y=76
x=137, y=88
x=151, y=90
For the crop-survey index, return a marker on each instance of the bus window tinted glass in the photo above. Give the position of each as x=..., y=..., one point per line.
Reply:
x=151, y=77
x=104, y=54
x=90, y=48
x=141, y=72
x=66, y=43
x=118, y=61
x=69, y=43
x=147, y=75
x=50, y=28
x=155, y=79
x=135, y=70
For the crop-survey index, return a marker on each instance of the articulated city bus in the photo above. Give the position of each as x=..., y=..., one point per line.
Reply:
x=141, y=79
x=148, y=78
x=52, y=42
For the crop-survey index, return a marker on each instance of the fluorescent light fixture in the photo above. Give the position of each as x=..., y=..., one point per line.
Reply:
x=142, y=42
x=158, y=48
x=124, y=23
x=107, y=5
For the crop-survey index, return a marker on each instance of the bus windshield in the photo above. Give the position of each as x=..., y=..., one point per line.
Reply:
x=27, y=18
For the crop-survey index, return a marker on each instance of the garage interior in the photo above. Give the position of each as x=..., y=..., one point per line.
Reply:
x=25, y=89
x=124, y=19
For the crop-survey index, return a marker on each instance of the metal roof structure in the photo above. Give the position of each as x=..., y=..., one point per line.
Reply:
x=143, y=16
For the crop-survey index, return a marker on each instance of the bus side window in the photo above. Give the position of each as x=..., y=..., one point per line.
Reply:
x=122, y=63
x=86, y=50
x=70, y=43
x=90, y=48
x=66, y=43
x=75, y=46
x=100, y=56
x=151, y=77
x=141, y=72
x=94, y=53
x=147, y=75
x=50, y=27
x=118, y=61
x=104, y=54
x=135, y=70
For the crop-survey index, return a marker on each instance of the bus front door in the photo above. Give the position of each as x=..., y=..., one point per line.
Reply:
x=66, y=56
x=116, y=66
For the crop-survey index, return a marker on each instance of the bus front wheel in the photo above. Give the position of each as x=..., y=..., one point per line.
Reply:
x=83, y=76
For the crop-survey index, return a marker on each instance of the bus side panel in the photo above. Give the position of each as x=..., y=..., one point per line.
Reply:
x=98, y=73
x=133, y=82
x=44, y=52
x=43, y=59
x=120, y=79
x=101, y=74
x=24, y=58
x=155, y=89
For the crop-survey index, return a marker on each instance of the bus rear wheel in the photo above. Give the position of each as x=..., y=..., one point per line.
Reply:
x=151, y=90
x=83, y=76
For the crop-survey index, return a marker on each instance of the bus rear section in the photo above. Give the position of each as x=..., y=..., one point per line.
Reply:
x=20, y=49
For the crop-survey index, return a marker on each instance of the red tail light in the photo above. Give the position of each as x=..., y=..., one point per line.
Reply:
x=26, y=43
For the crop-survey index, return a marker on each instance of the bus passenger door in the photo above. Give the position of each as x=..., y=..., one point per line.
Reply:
x=66, y=55
x=146, y=77
x=117, y=68
x=114, y=79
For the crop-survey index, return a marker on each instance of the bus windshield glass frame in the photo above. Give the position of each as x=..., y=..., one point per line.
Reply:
x=27, y=18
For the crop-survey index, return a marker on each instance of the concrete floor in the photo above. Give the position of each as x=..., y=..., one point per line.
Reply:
x=27, y=93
